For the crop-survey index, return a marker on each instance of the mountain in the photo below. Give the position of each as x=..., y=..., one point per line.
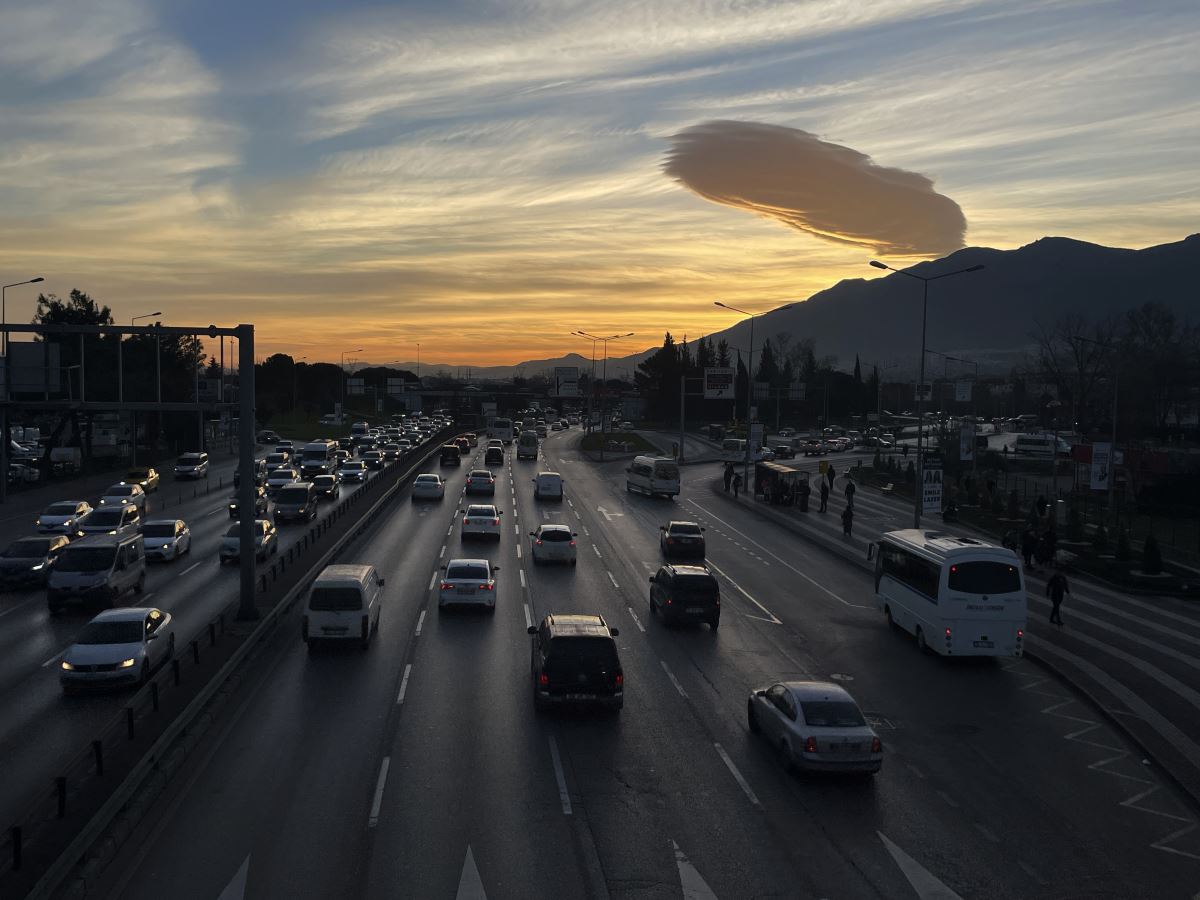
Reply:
x=487, y=373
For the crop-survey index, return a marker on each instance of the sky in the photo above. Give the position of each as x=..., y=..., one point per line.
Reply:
x=486, y=177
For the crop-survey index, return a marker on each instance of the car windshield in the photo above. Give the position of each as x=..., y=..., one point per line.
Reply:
x=831, y=713
x=190, y=459
x=327, y=599
x=159, y=530
x=685, y=528
x=27, y=548
x=104, y=518
x=283, y=474
x=294, y=496
x=111, y=633
x=120, y=490
x=354, y=465
x=468, y=571
x=60, y=509
x=86, y=559
x=138, y=474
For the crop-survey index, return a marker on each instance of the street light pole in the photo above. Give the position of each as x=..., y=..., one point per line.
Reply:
x=592, y=378
x=4, y=307
x=604, y=376
x=343, y=368
x=974, y=412
x=1112, y=452
x=918, y=488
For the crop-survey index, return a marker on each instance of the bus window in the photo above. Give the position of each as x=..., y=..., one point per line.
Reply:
x=984, y=578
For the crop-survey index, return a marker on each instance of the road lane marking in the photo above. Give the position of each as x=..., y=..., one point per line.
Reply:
x=585, y=531
x=613, y=580
x=147, y=596
x=420, y=622
x=236, y=889
x=674, y=680
x=518, y=551
x=404, y=684
x=636, y=620
x=563, y=797
x=214, y=512
x=950, y=801
x=516, y=530
x=450, y=530
x=55, y=657
x=577, y=516
x=432, y=580
x=597, y=550
x=23, y=603
x=737, y=776
x=774, y=620
x=694, y=887
x=442, y=552
x=987, y=832
x=569, y=503
x=521, y=572
x=470, y=884
x=377, y=802
x=528, y=620
x=924, y=883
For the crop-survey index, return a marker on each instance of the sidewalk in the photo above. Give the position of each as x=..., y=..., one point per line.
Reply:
x=1136, y=659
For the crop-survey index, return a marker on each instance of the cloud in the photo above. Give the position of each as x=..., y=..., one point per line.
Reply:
x=827, y=190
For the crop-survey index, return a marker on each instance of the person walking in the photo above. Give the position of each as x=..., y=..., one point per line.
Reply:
x=737, y=484
x=1056, y=587
x=728, y=475
x=847, y=520
x=1028, y=545
x=904, y=451
x=824, y=497
x=831, y=473
x=850, y=489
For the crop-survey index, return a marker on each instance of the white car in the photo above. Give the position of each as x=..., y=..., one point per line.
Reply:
x=428, y=487
x=166, y=539
x=553, y=543
x=468, y=582
x=481, y=481
x=353, y=470
x=119, y=646
x=815, y=726
x=192, y=465
x=766, y=454
x=281, y=478
x=266, y=541
x=123, y=494
x=481, y=521
x=63, y=517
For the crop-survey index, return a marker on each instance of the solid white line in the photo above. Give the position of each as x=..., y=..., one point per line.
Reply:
x=54, y=658
x=432, y=579
x=636, y=620
x=674, y=680
x=774, y=619
x=521, y=572
x=737, y=776
x=442, y=552
x=403, y=684
x=528, y=620
x=613, y=580
x=420, y=622
x=597, y=549
x=19, y=605
x=563, y=796
x=373, y=819
x=194, y=565
x=518, y=551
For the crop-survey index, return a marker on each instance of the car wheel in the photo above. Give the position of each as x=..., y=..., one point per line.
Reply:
x=922, y=645
x=752, y=718
x=887, y=617
x=141, y=585
x=714, y=622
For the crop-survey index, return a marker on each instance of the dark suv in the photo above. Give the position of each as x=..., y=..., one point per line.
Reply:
x=685, y=594
x=574, y=660
x=450, y=455
x=681, y=539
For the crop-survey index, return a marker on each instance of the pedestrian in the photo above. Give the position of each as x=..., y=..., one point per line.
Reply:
x=1011, y=541
x=847, y=520
x=728, y=475
x=1041, y=550
x=824, y=497
x=850, y=489
x=1028, y=545
x=1041, y=506
x=831, y=473
x=1056, y=587
x=737, y=484
x=904, y=451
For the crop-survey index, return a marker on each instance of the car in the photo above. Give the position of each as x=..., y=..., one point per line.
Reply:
x=681, y=538
x=99, y=569
x=553, y=543
x=449, y=455
x=547, y=486
x=468, y=582
x=259, y=467
x=787, y=432
x=266, y=541
x=277, y=461
x=146, y=477
x=296, y=503
x=63, y=517
x=261, y=504
x=464, y=446
x=353, y=470
x=813, y=447
x=328, y=487
x=192, y=465
x=288, y=447
x=493, y=456
x=472, y=438
x=344, y=604
x=428, y=486
x=346, y=443
x=23, y=473
x=392, y=452
x=766, y=454
x=540, y=429
x=815, y=726
x=481, y=520
x=627, y=425
x=373, y=459
x=329, y=419
x=166, y=539
x=342, y=456
x=572, y=420
x=481, y=481
x=119, y=520
x=123, y=494
x=555, y=426
x=27, y=561
x=574, y=660
x=783, y=451
x=685, y=594
x=119, y=646
x=268, y=437
x=280, y=478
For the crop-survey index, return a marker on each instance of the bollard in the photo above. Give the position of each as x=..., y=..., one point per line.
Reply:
x=175, y=671
x=98, y=753
x=16, y=842
x=129, y=721
x=196, y=652
x=154, y=695
x=212, y=635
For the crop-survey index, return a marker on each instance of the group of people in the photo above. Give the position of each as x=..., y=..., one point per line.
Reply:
x=1040, y=547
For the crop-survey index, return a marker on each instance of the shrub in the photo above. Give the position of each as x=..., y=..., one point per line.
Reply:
x=1124, y=551
x=877, y=461
x=1151, y=557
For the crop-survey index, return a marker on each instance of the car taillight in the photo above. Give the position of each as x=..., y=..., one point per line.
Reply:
x=1020, y=634
x=487, y=586
x=543, y=679
x=445, y=586
x=572, y=543
x=538, y=542
x=495, y=521
x=810, y=745
x=466, y=521
x=620, y=679
x=668, y=600
x=876, y=745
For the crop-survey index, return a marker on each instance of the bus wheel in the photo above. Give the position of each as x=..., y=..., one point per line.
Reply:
x=921, y=645
x=887, y=615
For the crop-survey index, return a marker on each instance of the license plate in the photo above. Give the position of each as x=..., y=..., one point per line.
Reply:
x=331, y=629
x=470, y=591
x=581, y=696
x=984, y=644
x=694, y=610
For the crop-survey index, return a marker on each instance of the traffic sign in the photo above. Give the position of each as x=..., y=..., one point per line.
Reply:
x=931, y=489
x=718, y=384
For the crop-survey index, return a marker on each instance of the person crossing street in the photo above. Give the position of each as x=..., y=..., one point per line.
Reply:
x=1056, y=587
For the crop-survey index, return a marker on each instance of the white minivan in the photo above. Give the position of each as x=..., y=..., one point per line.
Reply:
x=548, y=486
x=343, y=605
x=652, y=475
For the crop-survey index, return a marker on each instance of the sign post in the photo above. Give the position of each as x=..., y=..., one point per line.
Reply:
x=1101, y=466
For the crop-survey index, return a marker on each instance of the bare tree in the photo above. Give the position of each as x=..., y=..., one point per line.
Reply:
x=1075, y=354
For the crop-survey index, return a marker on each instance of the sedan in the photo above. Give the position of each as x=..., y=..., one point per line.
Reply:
x=124, y=494
x=266, y=541
x=27, y=562
x=815, y=726
x=783, y=451
x=553, y=543
x=119, y=646
x=481, y=521
x=428, y=487
x=353, y=470
x=166, y=539
x=481, y=481
x=392, y=452
x=464, y=446
x=472, y=438
x=63, y=517
x=468, y=582
x=681, y=539
x=327, y=487
x=281, y=478
x=147, y=477
x=261, y=504
x=373, y=459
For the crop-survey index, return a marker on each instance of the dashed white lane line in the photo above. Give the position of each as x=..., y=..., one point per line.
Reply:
x=420, y=622
x=404, y=684
x=193, y=566
x=987, y=832
x=636, y=620
x=516, y=530
x=432, y=580
x=377, y=802
x=442, y=552
x=521, y=572
x=569, y=503
x=450, y=530
x=518, y=551
x=577, y=516
x=54, y=658
x=597, y=551
x=950, y=801
x=771, y=617
x=585, y=531
x=563, y=797
x=613, y=580
x=528, y=620
x=737, y=776
x=674, y=680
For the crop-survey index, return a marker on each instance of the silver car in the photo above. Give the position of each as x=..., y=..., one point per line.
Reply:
x=119, y=646
x=166, y=539
x=63, y=517
x=468, y=582
x=553, y=543
x=815, y=726
x=266, y=541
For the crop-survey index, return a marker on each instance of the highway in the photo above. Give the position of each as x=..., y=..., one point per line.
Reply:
x=419, y=768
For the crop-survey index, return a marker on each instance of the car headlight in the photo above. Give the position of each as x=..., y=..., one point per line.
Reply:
x=39, y=567
x=67, y=667
x=126, y=664
x=103, y=502
x=38, y=523
x=166, y=546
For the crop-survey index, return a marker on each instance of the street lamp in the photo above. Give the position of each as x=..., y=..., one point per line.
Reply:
x=974, y=410
x=924, y=279
x=4, y=305
x=1112, y=451
x=343, y=368
x=134, y=319
x=604, y=376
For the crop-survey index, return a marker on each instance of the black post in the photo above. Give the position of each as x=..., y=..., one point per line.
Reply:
x=16, y=843
x=129, y=721
x=98, y=753
x=247, y=610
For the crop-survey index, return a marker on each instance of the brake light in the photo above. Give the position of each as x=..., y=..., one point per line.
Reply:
x=810, y=745
x=538, y=542
x=445, y=586
x=620, y=679
x=876, y=745
x=466, y=521
x=487, y=586
x=495, y=521
x=668, y=599
x=572, y=543
x=1020, y=634
x=543, y=679
x=947, y=634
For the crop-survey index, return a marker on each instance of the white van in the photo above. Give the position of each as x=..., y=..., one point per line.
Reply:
x=97, y=570
x=1040, y=445
x=343, y=605
x=653, y=475
x=547, y=486
x=527, y=445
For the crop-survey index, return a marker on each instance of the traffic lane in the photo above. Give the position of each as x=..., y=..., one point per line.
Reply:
x=288, y=790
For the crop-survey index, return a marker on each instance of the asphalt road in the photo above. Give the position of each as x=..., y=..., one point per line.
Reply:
x=419, y=769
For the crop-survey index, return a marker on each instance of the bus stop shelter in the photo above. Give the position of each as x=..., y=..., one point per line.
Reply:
x=782, y=485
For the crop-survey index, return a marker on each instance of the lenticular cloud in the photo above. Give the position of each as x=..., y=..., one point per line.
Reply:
x=826, y=190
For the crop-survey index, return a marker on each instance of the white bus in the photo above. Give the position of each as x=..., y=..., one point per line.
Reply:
x=733, y=450
x=653, y=476
x=959, y=596
x=1041, y=445
x=502, y=430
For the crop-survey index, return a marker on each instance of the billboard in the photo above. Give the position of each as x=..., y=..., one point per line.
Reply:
x=566, y=381
x=1101, y=466
x=395, y=387
x=931, y=489
x=718, y=384
x=966, y=442
x=962, y=391
x=923, y=391
x=356, y=386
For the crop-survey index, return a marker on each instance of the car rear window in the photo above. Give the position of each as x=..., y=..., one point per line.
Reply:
x=328, y=599
x=832, y=713
x=556, y=536
x=472, y=572
x=697, y=584
x=427, y=479
x=582, y=650
x=685, y=528
x=984, y=577
x=481, y=511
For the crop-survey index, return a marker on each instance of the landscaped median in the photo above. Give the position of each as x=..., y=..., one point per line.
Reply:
x=601, y=446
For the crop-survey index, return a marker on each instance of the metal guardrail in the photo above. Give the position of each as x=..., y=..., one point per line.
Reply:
x=113, y=745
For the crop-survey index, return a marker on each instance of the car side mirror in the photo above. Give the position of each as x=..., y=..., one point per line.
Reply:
x=702, y=528
x=662, y=527
x=500, y=511
x=382, y=582
x=760, y=693
x=532, y=629
x=533, y=534
x=495, y=568
x=615, y=632
x=574, y=534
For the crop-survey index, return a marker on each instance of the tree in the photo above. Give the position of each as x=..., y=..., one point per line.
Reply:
x=1075, y=366
x=723, y=353
x=768, y=369
x=657, y=377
